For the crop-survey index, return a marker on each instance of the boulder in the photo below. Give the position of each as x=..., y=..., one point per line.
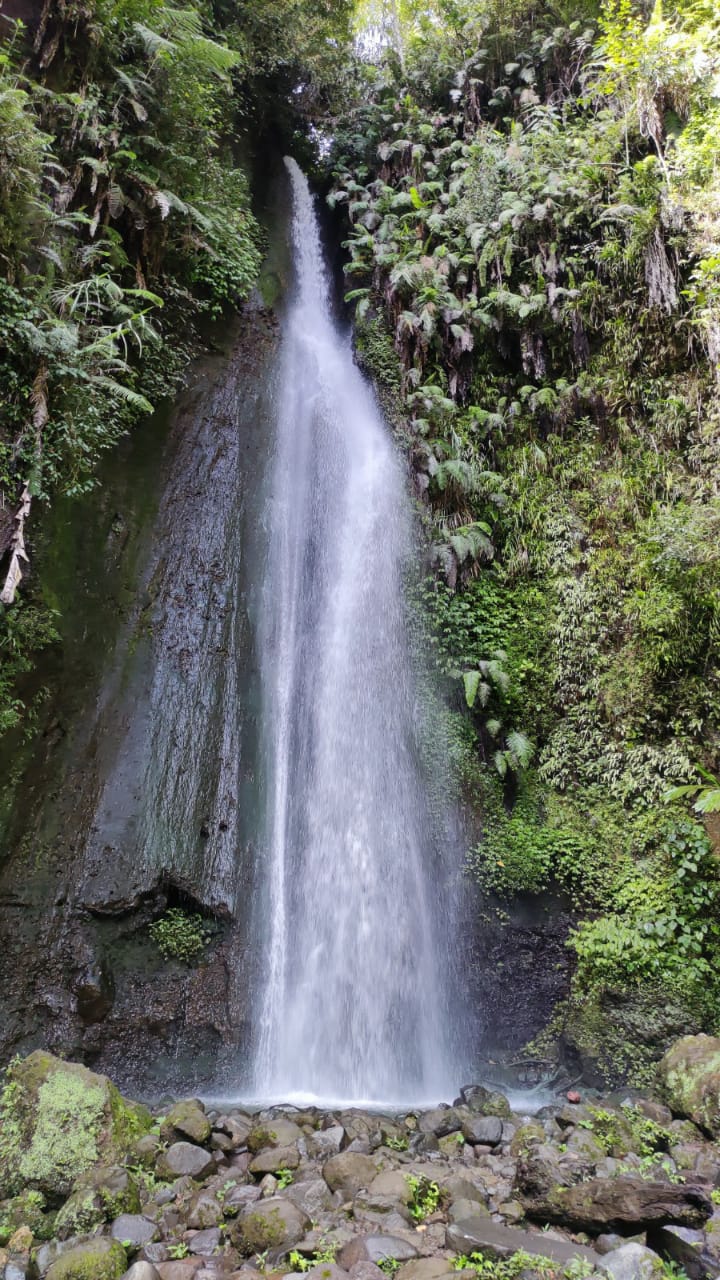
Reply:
x=478, y=1098
x=275, y=1223
x=426, y=1269
x=391, y=1185
x=204, y=1243
x=27, y=1209
x=441, y=1121
x=349, y=1172
x=99, y=1195
x=184, y=1159
x=273, y=1159
x=482, y=1235
x=626, y=1204
x=326, y=1271
x=186, y=1120
x=690, y=1250
x=313, y=1197
x=689, y=1077
x=99, y=1258
x=141, y=1271
x=57, y=1120
x=482, y=1130
x=377, y=1249
x=633, y=1262
x=133, y=1230
x=324, y=1143
x=273, y=1133
x=205, y=1210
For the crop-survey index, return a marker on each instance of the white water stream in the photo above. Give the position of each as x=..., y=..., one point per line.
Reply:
x=354, y=911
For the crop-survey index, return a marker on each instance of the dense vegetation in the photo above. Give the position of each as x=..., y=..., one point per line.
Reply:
x=533, y=201
x=532, y=205
x=124, y=218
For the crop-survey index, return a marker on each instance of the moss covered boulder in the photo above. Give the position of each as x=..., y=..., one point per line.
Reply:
x=690, y=1080
x=98, y=1259
x=57, y=1120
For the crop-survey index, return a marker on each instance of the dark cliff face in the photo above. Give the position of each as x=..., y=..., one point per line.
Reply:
x=125, y=806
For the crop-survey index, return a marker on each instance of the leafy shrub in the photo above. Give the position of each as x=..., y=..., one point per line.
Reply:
x=180, y=935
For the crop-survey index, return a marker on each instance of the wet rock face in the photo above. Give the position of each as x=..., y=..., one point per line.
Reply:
x=86, y=862
x=199, y=1209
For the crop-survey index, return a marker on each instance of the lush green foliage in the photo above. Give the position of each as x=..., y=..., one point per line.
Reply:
x=533, y=211
x=180, y=935
x=124, y=217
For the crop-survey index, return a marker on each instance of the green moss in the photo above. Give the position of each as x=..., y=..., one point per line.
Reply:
x=57, y=1120
x=96, y=1260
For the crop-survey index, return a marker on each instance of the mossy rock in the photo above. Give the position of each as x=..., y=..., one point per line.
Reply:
x=26, y=1210
x=690, y=1080
x=103, y=1193
x=57, y=1120
x=98, y=1259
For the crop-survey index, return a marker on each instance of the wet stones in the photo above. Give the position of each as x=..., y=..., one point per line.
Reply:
x=186, y=1120
x=349, y=1172
x=273, y=1224
x=184, y=1158
x=625, y=1204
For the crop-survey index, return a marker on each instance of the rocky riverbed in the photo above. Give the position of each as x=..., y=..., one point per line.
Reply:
x=94, y=1187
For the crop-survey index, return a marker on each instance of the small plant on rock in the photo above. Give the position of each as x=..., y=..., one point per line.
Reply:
x=178, y=1251
x=179, y=935
x=324, y=1256
x=284, y=1178
x=426, y=1197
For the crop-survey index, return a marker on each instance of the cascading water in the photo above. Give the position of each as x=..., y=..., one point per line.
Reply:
x=354, y=907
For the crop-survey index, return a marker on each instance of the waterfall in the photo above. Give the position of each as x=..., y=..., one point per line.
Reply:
x=354, y=913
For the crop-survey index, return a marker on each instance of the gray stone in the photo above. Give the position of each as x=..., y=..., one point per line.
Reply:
x=625, y=1204
x=155, y=1252
x=365, y=1271
x=184, y=1159
x=608, y=1241
x=349, y=1172
x=392, y=1185
x=441, y=1121
x=204, y=1244
x=314, y=1197
x=141, y=1271
x=461, y=1210
x=275, y=1224
x=691, y=1250
x=184, y=1269
x=205, y=1210
x=632, y=1262
x=422, y=1144
x=483, y=1129
x=324, y=1143
x=460, y=1188
x=272, y=1159
x=482, y=1235
x=274, y=1133
x=375, y=1248
x=240, y=1196
x=188, y=1119
x=134, y=1229
x=425, y=1269
x=326, y=1271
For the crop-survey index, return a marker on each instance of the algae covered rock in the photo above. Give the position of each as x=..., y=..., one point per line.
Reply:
x=98, y=1259
x=188, y=1119
x=26, y=1210
x=101, y=1194
x=690, y=1080
x=57, y=1120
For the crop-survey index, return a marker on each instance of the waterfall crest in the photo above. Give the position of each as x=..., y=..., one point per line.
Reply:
x=354, y=912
